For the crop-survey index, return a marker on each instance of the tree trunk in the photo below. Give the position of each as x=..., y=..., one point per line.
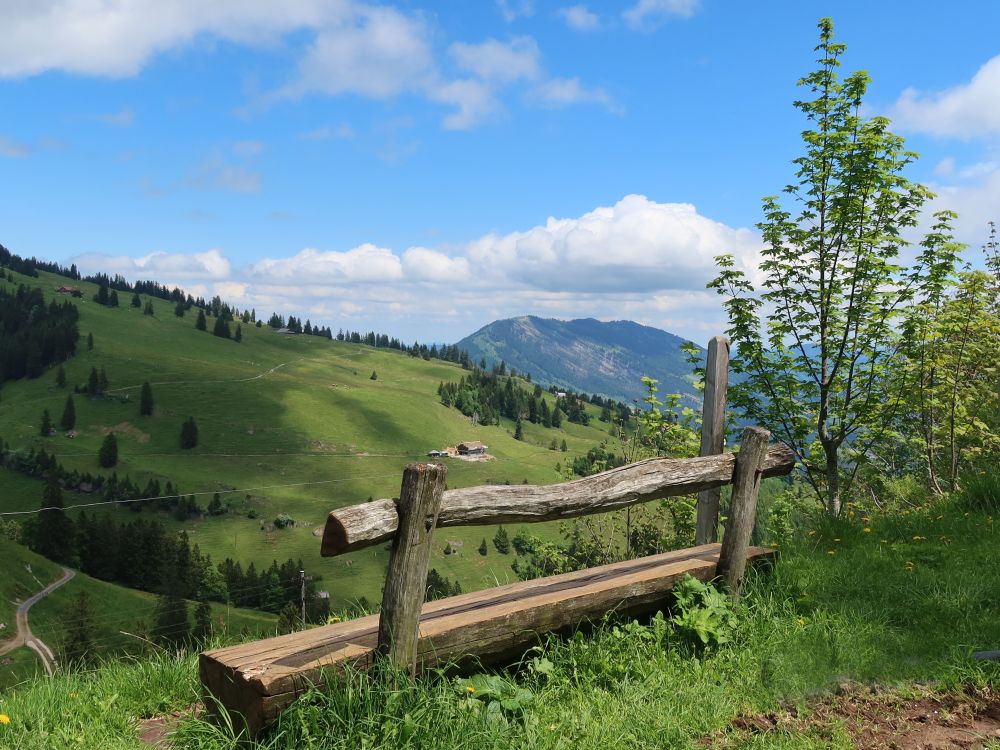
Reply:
x=832, y=480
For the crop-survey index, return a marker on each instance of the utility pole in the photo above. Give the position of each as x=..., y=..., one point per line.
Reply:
x=302, y=578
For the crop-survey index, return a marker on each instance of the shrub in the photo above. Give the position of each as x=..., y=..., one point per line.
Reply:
x=981, y=492
x=283, y=521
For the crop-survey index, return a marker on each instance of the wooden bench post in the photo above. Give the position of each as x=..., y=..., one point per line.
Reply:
x=406, y=577
x=743, y=508
x=713, y=433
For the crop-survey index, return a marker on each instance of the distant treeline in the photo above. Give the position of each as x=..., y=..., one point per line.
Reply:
x=34, y=335
x=31, y=266
x=495, y=393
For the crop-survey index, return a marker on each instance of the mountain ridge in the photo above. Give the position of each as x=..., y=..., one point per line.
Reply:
x=607, y=358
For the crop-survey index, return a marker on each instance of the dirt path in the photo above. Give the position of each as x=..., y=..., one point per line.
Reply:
x=24, y=636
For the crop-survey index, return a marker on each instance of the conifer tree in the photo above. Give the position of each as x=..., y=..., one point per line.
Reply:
x=93, y=382
x=201, y=324
x=179, y=310
x=102, y=381
x=148, y=309
x=136, y=300
x=374, y=375
x=146, y=400
x=483, y=549
x=518, y=431
x=202, y=632
x=90, y=342
x=189, y=434
x=238, y=336
x=113, y=299
x=46, y=423
x=501, y=541
x=55, y=534
x=108, y=454
x=61, y=377
x=68, y=419
x=79, y=637
x=563, y=447
x=221, y=328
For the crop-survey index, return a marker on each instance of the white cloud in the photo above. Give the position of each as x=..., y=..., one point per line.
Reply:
x=636, y=259
x=498, y=61
x=12, y=149
x=563, y=92
x=512, y=10
x=167, y=268
x=966, y=110
x=580, y=18
x=647, y=14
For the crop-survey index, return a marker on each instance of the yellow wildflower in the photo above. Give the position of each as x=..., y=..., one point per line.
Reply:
x=4, y=719
x=800, y=621
x=918, y=538
x=831, y=552
x=773, y=546
x=471, y=689
x=867, y=530
x=884, y=541
x=812, y=532
x=837, y=539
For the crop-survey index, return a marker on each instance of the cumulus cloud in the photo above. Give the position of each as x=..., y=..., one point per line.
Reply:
x=579, y=17
x=512, y=10
x=498, y=61
x=562, y=92
x=966, y=110
x=167, y=268
x=375, y=51
x=647, y=14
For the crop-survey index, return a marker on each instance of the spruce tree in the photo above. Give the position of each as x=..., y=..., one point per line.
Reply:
x=136, y=300
x=79, y=636
x=483, y=549
x=61, y=377
x=146, y=400
x=179, y=312
x=172, y=627
x=93, y=382
x=564, y=447
x=148, y=309
x=46, y=423
x=113, y=299
x=90, y=342
x=374, y=375
x=238, y=336
x=221, y=328
x=102, y=381
x=55, y=534
x=68, y=419
x=518, y=431
x=189, y=434
x=202, y=632
x=201, y=323
x=107, y=456
x=501, y=541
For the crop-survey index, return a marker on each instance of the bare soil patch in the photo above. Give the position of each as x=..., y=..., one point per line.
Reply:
x=882, y=719
x=127, y=428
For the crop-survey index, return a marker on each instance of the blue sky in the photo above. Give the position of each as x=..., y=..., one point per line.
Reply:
x=422, y=168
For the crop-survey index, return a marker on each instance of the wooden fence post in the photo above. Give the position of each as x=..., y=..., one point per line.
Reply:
x=743, y=508
x=406, y=577
x=713, y=433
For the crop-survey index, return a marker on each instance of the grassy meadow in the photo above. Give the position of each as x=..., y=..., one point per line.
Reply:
x=901, y=605
x=287, y=424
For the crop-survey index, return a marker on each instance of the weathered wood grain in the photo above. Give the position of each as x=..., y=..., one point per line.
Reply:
x=359, y=526
x=713, y=433
x=257, y=680
x=743, y=508
x=406, y=577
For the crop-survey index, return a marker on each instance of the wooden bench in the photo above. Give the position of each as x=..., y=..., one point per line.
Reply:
x=258, y=680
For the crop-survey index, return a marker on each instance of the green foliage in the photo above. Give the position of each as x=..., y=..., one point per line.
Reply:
x=483, y=549
x=501, y=541
x=981, y=492
x=146, y=400
x=289, y=619
x=46, y=426
x=189, y=434
x=201, y=323
x=283, y=521
x=702, y=615
x=374, y=376
x=519, y=431
x=79, y=639
x=107, y=457
x=817, y=347
x=499, y=699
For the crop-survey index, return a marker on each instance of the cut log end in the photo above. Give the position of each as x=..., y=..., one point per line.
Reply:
x=334, y=537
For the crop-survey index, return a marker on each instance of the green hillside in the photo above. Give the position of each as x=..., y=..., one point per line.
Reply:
x=121, y=616
x=289, y=424
x=609, y=359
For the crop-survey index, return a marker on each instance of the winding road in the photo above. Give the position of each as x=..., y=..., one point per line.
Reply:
x=24, y=636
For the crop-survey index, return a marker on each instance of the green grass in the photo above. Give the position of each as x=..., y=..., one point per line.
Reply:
x=293, y=422
x=24, y=574
x=906, y=602
x=20, y=665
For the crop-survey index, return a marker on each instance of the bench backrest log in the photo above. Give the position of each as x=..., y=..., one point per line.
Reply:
x=422, y=506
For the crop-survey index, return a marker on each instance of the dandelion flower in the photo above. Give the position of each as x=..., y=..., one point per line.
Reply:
x=837, y=540
x=800, y=621
x=867, y=530
x=831, y=552
x=471, y=689
x=812, y=532
x=4, y=719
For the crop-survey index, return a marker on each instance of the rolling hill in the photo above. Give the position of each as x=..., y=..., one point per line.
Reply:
x=586, y=355
x=288, y=424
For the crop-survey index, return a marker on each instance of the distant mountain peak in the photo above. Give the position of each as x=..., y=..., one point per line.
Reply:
x=608, y=358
